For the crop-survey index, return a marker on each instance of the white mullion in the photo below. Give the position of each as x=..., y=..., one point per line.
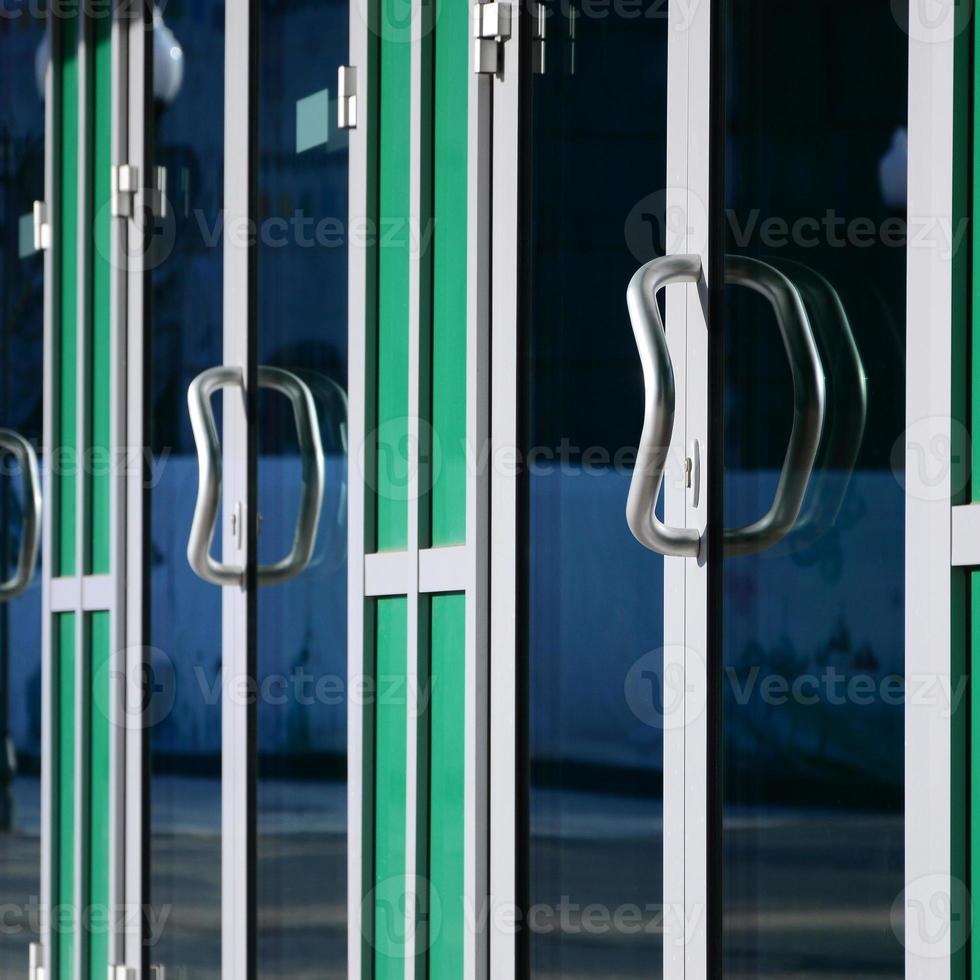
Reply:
x=83, y=316
x=504, y=396
x=357, y=319
x=929, y=875
x=117, y=504
x=132, y=394
x=675, y=624
x=476, y=554
x=237, y=734
x=52, y=194
x=694, y=918
x=415, y=877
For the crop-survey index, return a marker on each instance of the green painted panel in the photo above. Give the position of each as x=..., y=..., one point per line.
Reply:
x=63, y=885
x=65, y=455
x=449, y=275
x=394, y=252
x=447, y=768
x=391, y=719
x=98, y=394
x=97, y=632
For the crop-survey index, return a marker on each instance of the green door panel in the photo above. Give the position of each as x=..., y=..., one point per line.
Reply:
x=447, y=785
x=394, y=260
x=449, y=274
x=63, y=810
x=391, y=719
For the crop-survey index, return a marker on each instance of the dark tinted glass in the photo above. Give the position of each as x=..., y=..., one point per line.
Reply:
x=813, y=627
x=593, y=629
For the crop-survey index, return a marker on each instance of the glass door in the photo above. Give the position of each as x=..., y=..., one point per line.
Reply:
x=810, y=631
x=244, y=520
x=717, y=562
x=23, y=160
x=591, y=636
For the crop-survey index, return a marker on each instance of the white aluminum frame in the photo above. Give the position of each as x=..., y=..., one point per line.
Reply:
x=238, y=904
x=135, y=655
x=930, y=632
x=52, y=144
x=420, y=572
x=83, y=593
x=930, y=551
x=685, y=582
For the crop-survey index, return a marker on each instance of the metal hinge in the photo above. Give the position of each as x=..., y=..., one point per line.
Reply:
x=121, y=973
x=347, y=97
x=125, y=181
x=158, y=972
x=125, y=187
x=42, y=227
x=491, y=27
x=35, y=962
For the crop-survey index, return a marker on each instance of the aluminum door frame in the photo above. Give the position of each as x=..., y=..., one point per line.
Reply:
x=934, y=594
x=685, y=582
x=83, y=592
x=935, y=612
x=238, y=829
x=416, y=572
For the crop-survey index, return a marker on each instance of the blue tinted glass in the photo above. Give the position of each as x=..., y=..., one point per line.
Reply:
x=593, y=630
x=185, y=613
x=22, y=55
x=302, y=624
x=813, y=627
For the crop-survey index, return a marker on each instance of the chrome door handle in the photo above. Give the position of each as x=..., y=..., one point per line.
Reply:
x=809, y=397
x=30, y=538
x=209, y=475
x=658, y=406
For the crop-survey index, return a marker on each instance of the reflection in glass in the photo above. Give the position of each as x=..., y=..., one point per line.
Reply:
x=593, y=630
x=185, y=614
x=302, y=624
x=21, y=373
x=813, y=627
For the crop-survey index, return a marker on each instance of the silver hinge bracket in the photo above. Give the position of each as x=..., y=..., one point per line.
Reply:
x=35, y=962
x=121, y=973
x=125, y=181
x=491, y=27
x=42, y=227
x=347, y=97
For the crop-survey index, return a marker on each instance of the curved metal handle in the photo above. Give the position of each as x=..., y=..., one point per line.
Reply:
x=658, y=418
x=658, y=406
x=311, y=492
x=209, y=479
x=30, y=536
x=809, y=404
x=209, y=475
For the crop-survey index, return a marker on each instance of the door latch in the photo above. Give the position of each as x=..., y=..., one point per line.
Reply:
x=35, y=962
x=347, y=97
x=125, y=183
x=42, y=227
x=491, y=27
